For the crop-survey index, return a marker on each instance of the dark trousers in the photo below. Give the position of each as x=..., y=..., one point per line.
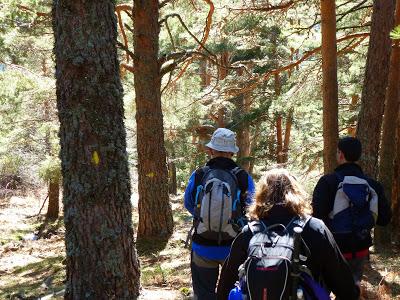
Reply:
x=357, y=268
x=204, y=277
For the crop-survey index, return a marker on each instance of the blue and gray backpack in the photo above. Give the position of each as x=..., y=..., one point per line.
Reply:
x=218, y=209
x=355, y=207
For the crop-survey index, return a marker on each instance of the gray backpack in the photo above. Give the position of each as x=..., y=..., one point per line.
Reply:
x=217, y=205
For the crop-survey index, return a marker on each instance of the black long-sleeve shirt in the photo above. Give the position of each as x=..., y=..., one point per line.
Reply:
x=325, y=262
x=324, y=198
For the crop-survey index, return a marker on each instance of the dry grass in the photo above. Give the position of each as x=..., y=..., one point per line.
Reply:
x=33, y=268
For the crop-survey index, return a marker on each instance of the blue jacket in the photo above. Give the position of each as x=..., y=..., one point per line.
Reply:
x=208, y=248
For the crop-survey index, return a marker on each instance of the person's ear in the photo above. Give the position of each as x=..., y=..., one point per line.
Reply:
x=341, y=155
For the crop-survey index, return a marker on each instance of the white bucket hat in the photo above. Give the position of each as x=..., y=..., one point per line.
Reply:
x=223, y=140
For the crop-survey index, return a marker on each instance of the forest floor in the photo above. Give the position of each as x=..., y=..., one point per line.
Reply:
x=32, y=257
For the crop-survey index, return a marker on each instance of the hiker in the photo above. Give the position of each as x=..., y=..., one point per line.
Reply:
x=216, y=196
x=351, y=219
x=280, y=201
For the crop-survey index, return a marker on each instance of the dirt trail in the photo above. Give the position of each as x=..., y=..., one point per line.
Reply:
x=34, y=269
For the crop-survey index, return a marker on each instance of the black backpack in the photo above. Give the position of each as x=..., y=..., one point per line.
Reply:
x=269, y=271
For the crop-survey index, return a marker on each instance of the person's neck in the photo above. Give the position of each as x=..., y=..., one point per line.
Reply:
x=223, y=156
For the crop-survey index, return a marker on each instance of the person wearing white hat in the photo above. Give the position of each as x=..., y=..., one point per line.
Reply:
x=217, y=196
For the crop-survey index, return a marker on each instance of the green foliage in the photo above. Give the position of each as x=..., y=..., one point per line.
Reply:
x=10, y=165
x=395, y=34
x=50, y=169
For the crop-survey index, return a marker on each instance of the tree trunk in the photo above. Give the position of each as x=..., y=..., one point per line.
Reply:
x=155, y=214
x=279, y=140
x=101, y=259
x=253, y=145
x=375, y=83
x=204, y=76
x=243, y=134
x=277, y=84
x=395, y=199
x=288, y=128
x=54, y=199
x=329, y=84
x=388, y=148
x=172, y=183
x=224, y=63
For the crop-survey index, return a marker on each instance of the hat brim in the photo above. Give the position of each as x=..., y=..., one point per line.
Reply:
x=234, y=149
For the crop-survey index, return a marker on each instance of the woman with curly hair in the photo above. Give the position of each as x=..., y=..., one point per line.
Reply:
x=280, y=199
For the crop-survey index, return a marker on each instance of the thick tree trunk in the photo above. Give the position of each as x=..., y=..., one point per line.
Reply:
x=155, y=215
x=243, y=134
x=395, y=199
x=375, y=83
x=54, y=199
x=388, y=148
x=101, y=257
x=329, y=84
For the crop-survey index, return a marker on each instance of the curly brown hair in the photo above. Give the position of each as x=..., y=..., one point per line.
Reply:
x=279, y=187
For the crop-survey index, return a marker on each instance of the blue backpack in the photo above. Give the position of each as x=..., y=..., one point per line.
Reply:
x=355, y=207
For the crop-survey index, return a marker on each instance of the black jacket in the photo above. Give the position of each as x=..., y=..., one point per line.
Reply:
x=324, y=197
x=243, y=184
x=325, y=262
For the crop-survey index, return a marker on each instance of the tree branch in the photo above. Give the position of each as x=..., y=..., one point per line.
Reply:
x=126, y=49
x=164, y=3
x=307, y=54
x=39, y=14
x=127, y=67
x=268, y=8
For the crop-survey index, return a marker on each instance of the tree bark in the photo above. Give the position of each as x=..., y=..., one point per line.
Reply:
x=204, y=76
x=253, y=145
x=395, y=198
x=375, y=83
x=243, y=134
x=224, y=63
x=155, y=214
x=101, y=258
x=279, y=140
x=288, y=128
x=388, y=148
x=54, y=199
x=329, y=84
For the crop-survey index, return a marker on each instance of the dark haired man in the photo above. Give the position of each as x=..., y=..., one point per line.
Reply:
x=336, y=200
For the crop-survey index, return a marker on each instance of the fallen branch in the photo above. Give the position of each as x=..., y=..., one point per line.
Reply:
x=38, y=214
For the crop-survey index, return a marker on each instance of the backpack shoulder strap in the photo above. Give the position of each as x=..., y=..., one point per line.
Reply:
x=236, y=170
x=339, y=176
x=302, y=222
x=256, y=226
x=203, y=172
x=298, y=222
